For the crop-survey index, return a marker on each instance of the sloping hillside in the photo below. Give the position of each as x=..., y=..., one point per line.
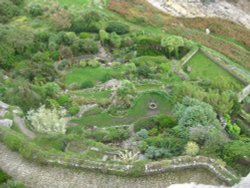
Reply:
x=237, y=11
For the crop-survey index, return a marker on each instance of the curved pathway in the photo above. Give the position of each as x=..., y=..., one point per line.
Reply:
x=36, y=176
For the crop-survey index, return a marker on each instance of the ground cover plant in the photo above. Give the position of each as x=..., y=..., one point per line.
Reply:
x=105, y=81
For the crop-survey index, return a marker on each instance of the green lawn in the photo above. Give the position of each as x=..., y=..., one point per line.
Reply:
x=204, y=68
x=89, y=74
x=73, y=2
x=140, y=110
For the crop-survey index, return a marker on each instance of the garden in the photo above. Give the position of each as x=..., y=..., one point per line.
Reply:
x=91, y=87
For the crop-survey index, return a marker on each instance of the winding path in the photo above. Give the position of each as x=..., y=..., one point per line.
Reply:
x=36, y=176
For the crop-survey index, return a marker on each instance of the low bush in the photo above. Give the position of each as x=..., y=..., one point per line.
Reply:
x=148, y=123
x=118, y=27
x=87, y=84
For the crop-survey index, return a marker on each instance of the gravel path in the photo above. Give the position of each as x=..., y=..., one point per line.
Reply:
x=36, y=176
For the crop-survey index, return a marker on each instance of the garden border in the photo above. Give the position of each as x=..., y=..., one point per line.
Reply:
x=17, y=142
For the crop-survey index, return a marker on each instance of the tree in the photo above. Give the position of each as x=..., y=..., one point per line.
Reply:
x=20, y=38
x=172, y=43
x=47, y=121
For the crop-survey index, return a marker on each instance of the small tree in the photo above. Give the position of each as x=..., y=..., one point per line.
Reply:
x=48, y=121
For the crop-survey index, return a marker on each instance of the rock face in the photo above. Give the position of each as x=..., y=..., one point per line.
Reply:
x=6, y=123
x=237, y=12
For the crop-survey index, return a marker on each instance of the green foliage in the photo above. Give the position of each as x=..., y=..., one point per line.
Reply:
x=73, y=110
x=87, y=84
x=236, y=150
x=191, y=149
x=3, y=177
x=143, y=133
x=7, y=58
x=147, y=123
x=192, y=112
x=172, y=43
x=117, y=27
x=156, y=153
x=7, y=10
x=149, y=46
x=87, y=22
x=109, y=135
x=64, y=100
x=165, y=121
x=88, y=46
x=232, y=128
x=35, y=10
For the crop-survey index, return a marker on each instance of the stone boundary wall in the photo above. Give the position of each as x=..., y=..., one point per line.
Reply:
x=189, y=55
x=223, y=64
x=243, y=94
x=138, y=168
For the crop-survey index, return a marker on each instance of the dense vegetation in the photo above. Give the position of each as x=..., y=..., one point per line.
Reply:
x=93, y=82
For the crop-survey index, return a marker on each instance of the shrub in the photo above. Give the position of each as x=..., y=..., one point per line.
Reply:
x=143, y=133
x=47, y=121
x=7, y=10
x=192, y=149
x=64, y=100
x=156, y=153
x=35, y=10
x=147, y=124
x=87, y=84
x=118, y=27
x=165, y=121
x=232, y=128
x=73, y=110
x=193, y=112
x=7, y=57
x=88, y=46
x=236, y=150
x=85, y=35
x=93, y=63
x=3, y=177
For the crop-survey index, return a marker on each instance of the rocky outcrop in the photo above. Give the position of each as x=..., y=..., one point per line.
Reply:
x=195, y=8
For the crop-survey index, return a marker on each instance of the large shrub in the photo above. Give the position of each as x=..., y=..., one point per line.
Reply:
x=192, y=112
x=118, y=27
x=49, y=121
x=7, y=10
x=236, y=150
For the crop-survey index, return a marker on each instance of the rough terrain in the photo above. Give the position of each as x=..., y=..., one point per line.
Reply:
x=238, y=12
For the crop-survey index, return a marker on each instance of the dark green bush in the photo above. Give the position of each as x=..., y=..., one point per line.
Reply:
x=165, y=121
x=148, y=123
x=117, y=27
x=7, y=10
x=87, y=84
x=3, y=177
x=35, y=10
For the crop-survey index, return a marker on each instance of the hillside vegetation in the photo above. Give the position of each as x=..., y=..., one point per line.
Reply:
x=121, y=84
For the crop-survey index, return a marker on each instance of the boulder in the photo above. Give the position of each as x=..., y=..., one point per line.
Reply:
x=6, y=123
x=3, y=105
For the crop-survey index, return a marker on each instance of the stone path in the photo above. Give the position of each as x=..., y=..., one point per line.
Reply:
x=36, y=176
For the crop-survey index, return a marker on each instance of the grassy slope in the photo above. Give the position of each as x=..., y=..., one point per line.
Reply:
x=141, y=12
x=204, y=68
x=138, y=111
